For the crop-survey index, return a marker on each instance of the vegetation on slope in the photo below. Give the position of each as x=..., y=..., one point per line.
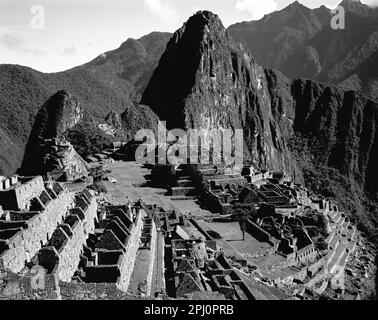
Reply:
x=87, y=139
x=300, y=42
x=321, y=179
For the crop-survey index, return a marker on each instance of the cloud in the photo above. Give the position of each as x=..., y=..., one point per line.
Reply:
x=37, y=53
x=15, y=44
x=163, y=9
x=71, y=51
x=257, y=8
x=11, y=42
x=373, y=3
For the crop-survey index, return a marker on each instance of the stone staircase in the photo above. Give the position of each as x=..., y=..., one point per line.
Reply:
x=184, y=189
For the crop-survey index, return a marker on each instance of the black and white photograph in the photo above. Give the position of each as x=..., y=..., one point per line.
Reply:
x=180, y=157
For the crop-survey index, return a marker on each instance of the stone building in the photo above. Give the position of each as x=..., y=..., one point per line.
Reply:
x=61, y=255
x=32, y=211
x=110, y=252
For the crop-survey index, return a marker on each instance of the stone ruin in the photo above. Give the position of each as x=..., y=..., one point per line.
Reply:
x=43, y=225
x=110, y=251
x=62, y=162
x=195, y=265
x=282, y=214
x=145, y=250
x=66, y=235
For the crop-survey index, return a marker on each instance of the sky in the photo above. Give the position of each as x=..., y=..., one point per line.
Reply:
x=55, y=35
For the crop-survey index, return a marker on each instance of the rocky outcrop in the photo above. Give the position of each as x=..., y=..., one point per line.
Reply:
x=59, y=114
x=61, y=161
x=113, y=119
x=205, y=80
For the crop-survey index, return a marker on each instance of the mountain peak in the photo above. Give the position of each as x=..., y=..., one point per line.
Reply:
x=296, y=5
x=356, y=7
x=352, y=3
x=206, y=16
x=202, y=21
x=205, y=80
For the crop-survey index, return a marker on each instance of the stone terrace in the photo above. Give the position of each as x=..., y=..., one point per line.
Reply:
x=25, y=231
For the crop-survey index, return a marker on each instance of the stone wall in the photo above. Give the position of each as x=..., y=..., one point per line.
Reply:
x=75, y=230
x=145, y=261
x=128, y=259
x=257, y=232
x=307, y=254
x=320, y=276
x=315, y=267
x=160, y=262
x=17, y=287
x=301, y=274
x=152, y=257
x=27, y=242
x=6, y=183
x=19, y=195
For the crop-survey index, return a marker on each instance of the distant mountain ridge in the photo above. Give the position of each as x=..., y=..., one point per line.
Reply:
x=111, y=82
x=300, y=42
x=131, y=65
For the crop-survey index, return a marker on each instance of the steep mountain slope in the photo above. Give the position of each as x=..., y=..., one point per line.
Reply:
x=132, y=64
x=101, y=86
x=344, y=123
x=59, y=114
x=300, y=42
x=205, y=80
